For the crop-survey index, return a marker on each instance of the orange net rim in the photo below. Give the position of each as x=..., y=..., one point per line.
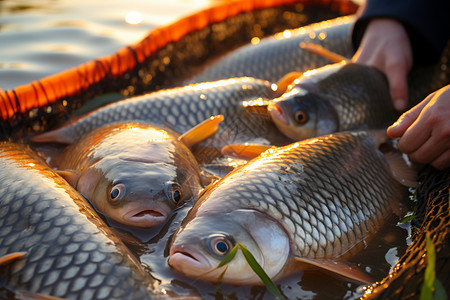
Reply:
x=55, y=87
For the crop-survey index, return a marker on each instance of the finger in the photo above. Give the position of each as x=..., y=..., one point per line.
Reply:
x=429, y=151
x=414, y=136
x=443, y=161
x=398, y=85
x=407, y=119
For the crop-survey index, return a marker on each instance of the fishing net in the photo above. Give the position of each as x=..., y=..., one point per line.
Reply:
x=433, y=219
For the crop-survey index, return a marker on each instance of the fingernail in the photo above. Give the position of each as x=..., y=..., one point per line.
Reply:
x=395, y=124
x=400, y=104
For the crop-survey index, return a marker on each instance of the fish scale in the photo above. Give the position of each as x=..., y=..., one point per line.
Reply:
x=194, y=104
x=70, y=252
x=275, y=56
x=327, y=194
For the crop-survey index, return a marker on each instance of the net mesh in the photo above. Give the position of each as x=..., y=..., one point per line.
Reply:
x=433, y=219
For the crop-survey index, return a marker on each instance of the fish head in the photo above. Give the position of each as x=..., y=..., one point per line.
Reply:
x=143, y=181
x=141, y=195
x=301, y=114
x=200, y=245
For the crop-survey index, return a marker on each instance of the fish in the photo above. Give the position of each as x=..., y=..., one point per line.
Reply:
x=337, y=97
x=297, y=207
x=135, y=174
x=180, y=109
x=275, y=56
x=65, y=249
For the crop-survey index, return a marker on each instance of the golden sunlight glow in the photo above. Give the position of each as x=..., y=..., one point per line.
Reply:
x=133, y=18
x=31, y=165
x=255, y=40
x=274, y=87
x=322, y=36
x=310, y=72
x=151, y=135
x=287, y=33
x=213, y=84
x=255, y=102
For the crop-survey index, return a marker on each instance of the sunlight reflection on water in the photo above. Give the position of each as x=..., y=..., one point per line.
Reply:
x=40, y=38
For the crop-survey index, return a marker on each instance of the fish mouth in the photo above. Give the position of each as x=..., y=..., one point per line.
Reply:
x=146, y=217
x=188, y=261
x=276, y=112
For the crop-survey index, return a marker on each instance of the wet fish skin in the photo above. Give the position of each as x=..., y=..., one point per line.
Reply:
x=180, y=109
x=150, y=170
x=275, y=56
x=70, y=252
x=338, y=97
x=310, y=200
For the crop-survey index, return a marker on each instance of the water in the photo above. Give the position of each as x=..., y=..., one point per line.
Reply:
x=40, y=38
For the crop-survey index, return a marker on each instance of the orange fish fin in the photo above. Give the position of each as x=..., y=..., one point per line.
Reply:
x=319, y=50
x=244, y=151
x=6, y=259
x=338, y=268
x=202, y=131
x=285, y=82
x=69, y=175
x=54, y=136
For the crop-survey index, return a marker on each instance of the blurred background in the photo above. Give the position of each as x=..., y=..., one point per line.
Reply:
x=42, y=37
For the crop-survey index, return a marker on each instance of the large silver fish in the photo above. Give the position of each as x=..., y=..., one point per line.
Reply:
x=304, y=204
x=334, y=98
x=69, y=251
x=133, y=173
x=180, y=109
x=273, y=57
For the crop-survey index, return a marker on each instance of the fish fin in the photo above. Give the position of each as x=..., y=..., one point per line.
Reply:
x=211, y=172
x=202, y=131
x=285, y=82
x=244, y=151
x=69, y=175
x=59, y=136
x=402, y=170
x=319, y=50
x=335, y=267
x=6, y=259
x=26, y=295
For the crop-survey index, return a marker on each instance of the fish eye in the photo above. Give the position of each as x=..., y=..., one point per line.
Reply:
x=116, y=193
x=219, y=244
x=301, y=117
x=174, y=193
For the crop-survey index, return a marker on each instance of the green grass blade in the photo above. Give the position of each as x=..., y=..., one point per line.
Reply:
x=271, y=287
x=430, y=275
x=229, y=257
x=439, y=291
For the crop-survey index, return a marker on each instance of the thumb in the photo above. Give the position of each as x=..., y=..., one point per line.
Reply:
x=407, y=119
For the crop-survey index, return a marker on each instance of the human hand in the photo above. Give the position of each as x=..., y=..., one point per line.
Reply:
x=424, y=130
x=385, y=46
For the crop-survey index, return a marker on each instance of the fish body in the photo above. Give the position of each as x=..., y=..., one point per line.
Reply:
x=337, y=97
x=308, y=202
x=133, y=173
x=69, y=251
x=180, y=109
x=275, y=56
